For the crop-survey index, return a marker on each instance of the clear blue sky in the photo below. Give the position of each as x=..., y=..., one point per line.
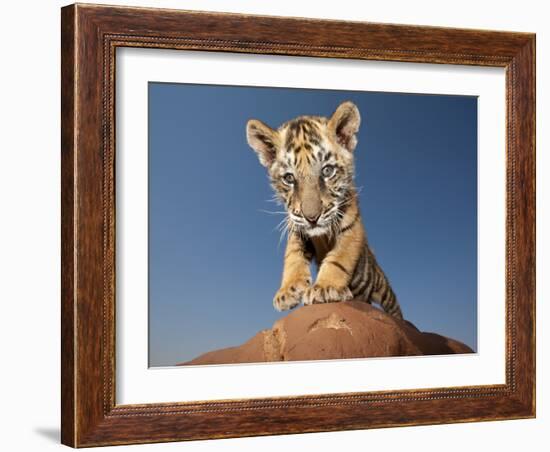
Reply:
x=214, y=257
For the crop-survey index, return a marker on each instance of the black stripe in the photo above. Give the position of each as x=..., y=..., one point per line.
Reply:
x=360, y=288
x=378, y=278
x=340, y=266
x=369, y=271
x=366, y=284
x=367, y=293
x=347, y=203
x=386, y=303
x=349, y=226
x=385, y=292
x=393, y=307
x=358, y=279
x=398, y=313
x=359, y=273
x=316, y=141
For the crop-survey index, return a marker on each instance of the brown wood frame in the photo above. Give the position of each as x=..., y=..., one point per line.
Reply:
x=90, y=34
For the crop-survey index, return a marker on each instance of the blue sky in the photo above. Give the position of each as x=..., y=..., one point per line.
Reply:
x=215, y=260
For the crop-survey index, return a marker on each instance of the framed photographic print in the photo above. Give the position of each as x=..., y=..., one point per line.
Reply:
x=280, y=225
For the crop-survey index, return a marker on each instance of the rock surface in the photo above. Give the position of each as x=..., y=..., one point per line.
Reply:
x=352, y=329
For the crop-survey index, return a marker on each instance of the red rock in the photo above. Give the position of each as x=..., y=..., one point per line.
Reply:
x=352, y=329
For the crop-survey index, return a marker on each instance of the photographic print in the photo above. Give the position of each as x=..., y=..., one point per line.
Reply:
x=292, y=224
x=276, y=225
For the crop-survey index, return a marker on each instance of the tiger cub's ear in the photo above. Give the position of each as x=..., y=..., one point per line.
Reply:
x=344, y=124
x=263, y=139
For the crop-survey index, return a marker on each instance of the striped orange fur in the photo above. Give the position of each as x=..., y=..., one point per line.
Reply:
x=311, y=168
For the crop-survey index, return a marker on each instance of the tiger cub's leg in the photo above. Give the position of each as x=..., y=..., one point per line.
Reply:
x=336, y=268
x=296, y=274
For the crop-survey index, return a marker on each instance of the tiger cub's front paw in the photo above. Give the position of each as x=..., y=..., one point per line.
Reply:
x=320, y=293
x=289, y=296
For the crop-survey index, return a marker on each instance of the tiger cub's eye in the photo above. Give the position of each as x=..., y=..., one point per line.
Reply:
x=288, y=178
x=328, y=170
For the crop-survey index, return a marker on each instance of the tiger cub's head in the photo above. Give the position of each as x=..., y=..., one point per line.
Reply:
x=310, y=163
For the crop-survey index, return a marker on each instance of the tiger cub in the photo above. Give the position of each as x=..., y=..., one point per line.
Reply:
x=310, y=164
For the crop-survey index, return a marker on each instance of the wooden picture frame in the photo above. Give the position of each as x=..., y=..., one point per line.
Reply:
x=90, y=35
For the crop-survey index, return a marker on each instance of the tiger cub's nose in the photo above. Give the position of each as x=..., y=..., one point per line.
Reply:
x=311, y=205
x=312, y=217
